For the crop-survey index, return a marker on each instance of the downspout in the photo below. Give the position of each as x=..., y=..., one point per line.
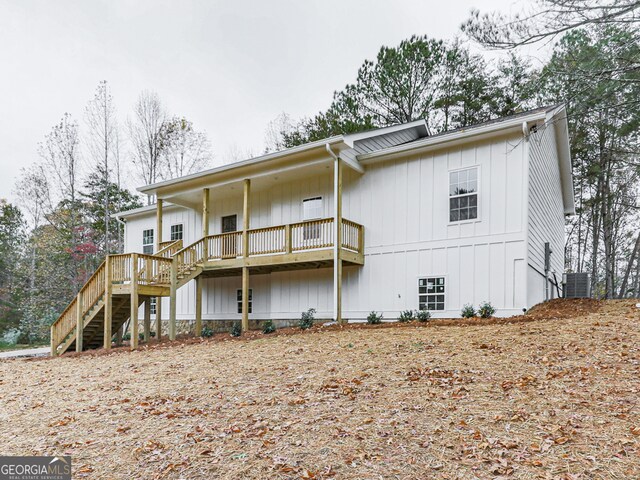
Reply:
x=124, y=225
x=337, y=300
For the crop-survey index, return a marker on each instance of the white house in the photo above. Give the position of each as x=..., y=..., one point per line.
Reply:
x=459, y=217
x=427, y=222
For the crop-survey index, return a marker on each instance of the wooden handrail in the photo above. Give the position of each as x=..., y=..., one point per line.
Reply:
x=169, y=249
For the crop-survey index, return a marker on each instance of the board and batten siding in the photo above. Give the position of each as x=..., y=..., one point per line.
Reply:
x=546, y=219
x=404, y=206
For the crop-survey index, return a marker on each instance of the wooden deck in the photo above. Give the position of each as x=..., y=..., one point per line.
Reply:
x=123, y=282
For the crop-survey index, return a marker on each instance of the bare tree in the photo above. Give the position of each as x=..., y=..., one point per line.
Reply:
x=547, y=19
x=185, y=149
x=277, y=129
x=60, y=153
x=100, y=116
x=146, y=130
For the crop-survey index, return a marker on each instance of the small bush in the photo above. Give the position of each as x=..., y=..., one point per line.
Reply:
x=306, y=319
x=468, y=311
x=268, y=327
x=126, y=337
x=406, y=316
x=236, y=329
x=374, y=318
x=206, y=332
x=423, y=315
x=486, y=310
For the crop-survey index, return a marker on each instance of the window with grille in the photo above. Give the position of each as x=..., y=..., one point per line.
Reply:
x=176, y=232
x=431, y=293
x=152, y=305
x=147, y=241
x=463, y=195
x=239, y=298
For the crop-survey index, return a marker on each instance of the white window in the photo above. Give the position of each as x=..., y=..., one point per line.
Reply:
x=176, y=232
x=431, y=292
x=153, y=301
x=463, y=195
x=147, y=241
x=311, y=210
x=239, y=298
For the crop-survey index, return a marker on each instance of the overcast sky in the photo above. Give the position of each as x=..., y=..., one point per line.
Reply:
x=230, y=67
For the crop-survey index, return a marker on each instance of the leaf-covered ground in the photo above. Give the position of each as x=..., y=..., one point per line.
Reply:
x=548, y=398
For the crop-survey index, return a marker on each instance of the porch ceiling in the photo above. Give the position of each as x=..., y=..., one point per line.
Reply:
x=193, y=198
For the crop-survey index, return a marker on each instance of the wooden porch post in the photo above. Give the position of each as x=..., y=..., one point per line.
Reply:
x=134, y=302
x=205, y=223
x=198, y=305
x=108, y=306
x=246, y=212
x=172, y=299
x=147, y=319
x=337, y=240
x=159, y=206
x=79, y=322
x=119, y=335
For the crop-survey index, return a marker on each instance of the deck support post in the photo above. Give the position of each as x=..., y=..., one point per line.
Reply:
x=79, y=322
x=337, y=240
x=198, y=305
x=108, y=304
x=159, y=207
x=205, y=223
x=147, y=319
x=134, y=301
x=158, y=318
x=119, y=335
x=246, y=213
x=245, y=299
x=54, y=343
x=172, y=299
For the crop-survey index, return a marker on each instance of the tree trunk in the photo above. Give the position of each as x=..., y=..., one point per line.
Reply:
x=623, y=287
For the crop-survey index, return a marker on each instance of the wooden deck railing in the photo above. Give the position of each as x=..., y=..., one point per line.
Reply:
x=157, y=269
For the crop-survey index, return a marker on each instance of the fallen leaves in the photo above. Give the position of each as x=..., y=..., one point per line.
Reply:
x=493, y=401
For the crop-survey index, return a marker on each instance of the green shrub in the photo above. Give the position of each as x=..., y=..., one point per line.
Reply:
x=126, y=337
x=236, y=329
x=486, y=310
x=468, y=311
x=206, y=332
x=423, y=315
x=374, y=318
x=268, y=327
x=306, y=319
x=406, y=316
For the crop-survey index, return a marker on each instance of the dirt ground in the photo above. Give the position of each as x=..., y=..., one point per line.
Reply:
x=551, y=394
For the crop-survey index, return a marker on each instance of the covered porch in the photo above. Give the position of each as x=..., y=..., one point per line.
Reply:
x=261, y=242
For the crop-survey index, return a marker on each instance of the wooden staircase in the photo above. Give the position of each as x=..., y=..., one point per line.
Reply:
x=118, y=278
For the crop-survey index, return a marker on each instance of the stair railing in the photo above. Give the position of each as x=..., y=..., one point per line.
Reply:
x=87, y=297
